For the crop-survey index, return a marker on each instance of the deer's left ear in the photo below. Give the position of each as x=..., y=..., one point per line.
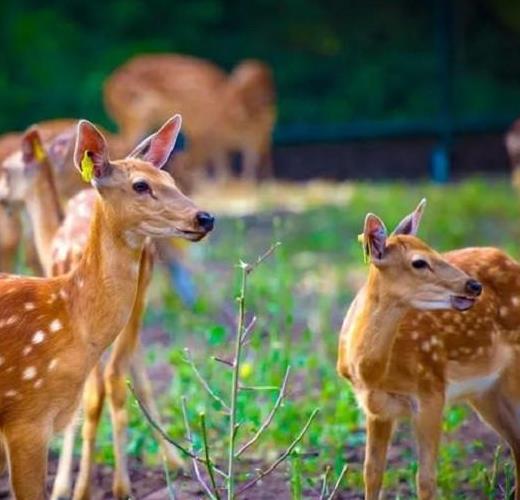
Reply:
x=32, y=146
x=374, y=238
x=158, y=147
x=410, y=224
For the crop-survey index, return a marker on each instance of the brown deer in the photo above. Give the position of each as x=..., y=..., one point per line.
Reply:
x=54, y=330
x=29, y=177
x=416, y=337
x=222, y=114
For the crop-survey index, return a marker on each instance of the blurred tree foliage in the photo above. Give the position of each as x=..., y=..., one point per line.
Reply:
x=334, y=60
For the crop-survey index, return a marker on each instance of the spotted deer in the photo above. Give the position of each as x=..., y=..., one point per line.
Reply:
x=222, y=113
x=54, y=330
x=29, y=177
x=418, y=336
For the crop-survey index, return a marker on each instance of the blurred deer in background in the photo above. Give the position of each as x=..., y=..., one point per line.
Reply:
x=68, y=183
x=416, y=337
x=512, y=141
x=222, y=113
x=56, y=329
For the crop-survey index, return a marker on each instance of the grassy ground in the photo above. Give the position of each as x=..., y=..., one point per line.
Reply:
x=300, y=296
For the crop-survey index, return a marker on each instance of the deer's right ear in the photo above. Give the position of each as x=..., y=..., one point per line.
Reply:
x=61, y=146
x=158, y=147
x=374, y=238
x=91, y=152
x=32, y=146
x=410, y=224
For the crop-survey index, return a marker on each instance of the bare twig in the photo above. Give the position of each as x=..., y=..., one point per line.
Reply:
x=167, y=438
x=248, y=329
x=203, y=382
x=270, y=416
x=196, y=469
x=324, y=485
x=209, y=465
x=249, y=268
x=338, y=482
x=282, y=457
x=258, y=387
x=169, y=484
x=223, y=361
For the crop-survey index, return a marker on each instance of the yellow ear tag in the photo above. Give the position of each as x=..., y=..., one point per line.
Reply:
x=39, y=152
x=87, y=167
x=366, y=248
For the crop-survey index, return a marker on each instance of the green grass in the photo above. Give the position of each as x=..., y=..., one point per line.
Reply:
x=300, y=296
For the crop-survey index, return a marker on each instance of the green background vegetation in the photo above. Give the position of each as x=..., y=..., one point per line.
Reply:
x=334, y=61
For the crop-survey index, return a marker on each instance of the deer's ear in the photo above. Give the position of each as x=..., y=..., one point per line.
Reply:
x=61, y=146
x=158, y=147
x=410, y=224
x=374, y=238
x=32, y=146
x=91, y=152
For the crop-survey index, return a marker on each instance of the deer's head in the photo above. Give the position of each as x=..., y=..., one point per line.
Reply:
x=409, y=271
x=140, y=197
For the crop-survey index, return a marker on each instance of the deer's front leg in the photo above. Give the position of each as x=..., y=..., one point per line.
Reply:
x=428, y=429
x=379, y=433
x=27, y=448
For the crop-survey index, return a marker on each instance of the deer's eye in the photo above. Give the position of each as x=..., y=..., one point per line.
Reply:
x=420, y=264
x=141, y=187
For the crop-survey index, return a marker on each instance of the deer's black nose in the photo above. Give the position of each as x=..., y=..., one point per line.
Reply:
x=473, y=287
x=205, y=220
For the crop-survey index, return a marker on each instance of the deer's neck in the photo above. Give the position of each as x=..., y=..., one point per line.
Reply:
x=372, y=329
x=44, y=208
x=103, y=287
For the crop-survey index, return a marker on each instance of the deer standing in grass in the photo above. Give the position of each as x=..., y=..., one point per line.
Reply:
x=416, y=337
x=222, y=113
x=54, y=330
x=29, y=177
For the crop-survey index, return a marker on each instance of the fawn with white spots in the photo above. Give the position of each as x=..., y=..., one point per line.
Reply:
x=28, y=177
x=417, y=337
x=49, y=350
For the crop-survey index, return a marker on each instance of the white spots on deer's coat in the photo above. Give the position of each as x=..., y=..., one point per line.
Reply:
x=52, y=298
x=415, y=335
x=53, y=364
x=38, y=383
x=29, y=373
x=29, y=306
x=515, y=301
x=472, y=386
x=503, y=311
x=63, y=294
x=435, y=340
x=11, y=320
x=425, y=346
x=38, y=337
x=11, y=393
x=27, y=350
x=55, y=326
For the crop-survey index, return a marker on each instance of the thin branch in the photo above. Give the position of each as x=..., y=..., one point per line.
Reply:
x=165, y=436
x=282, y=457
x=248, y=329
x=196, y=469
x=338, y=482
x=324, y=488
x=209, y=465
x=269, y=417
x=169, y=484
x=203, y=382
x=258, y=387
x=249, y=268
x=223, y=361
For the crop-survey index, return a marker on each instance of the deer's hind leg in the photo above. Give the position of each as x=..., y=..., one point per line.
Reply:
x=502, y=413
